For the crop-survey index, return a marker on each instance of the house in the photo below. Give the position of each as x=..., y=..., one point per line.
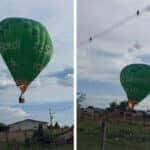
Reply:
x=90, y=113
x=148, y=112
x=65, y=136
x=27, y=124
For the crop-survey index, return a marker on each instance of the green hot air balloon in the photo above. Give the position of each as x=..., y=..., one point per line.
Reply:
x=135, y=79
x=26, y=48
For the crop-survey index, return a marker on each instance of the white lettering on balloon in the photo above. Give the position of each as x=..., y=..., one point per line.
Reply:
x=10, y=45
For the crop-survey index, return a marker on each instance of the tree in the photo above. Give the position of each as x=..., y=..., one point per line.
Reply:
x=57, y=126
x=81, y=97
x=40, y=130
x=123, y=105
x=38, y=134
x=113, y=106
x=3, y=127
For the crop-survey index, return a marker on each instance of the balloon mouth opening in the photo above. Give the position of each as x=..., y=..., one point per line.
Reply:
x=23, y=87
x=131, y=104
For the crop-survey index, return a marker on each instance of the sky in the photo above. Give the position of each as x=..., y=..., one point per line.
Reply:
x=53, y=88
x=120, y=38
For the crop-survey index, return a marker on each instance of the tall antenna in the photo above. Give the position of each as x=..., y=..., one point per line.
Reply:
x=51, y=117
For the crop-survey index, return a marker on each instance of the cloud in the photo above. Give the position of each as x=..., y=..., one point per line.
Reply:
x=100, y=66
x=64, y=77
x=57, y=16
x=102, y=101
x=12, y=114
x=122, y=42
x=6, y=84
x=137, y=45
x=103, y=58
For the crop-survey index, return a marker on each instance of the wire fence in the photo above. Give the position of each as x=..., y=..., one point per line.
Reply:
x=115, y=131
x=125, y=136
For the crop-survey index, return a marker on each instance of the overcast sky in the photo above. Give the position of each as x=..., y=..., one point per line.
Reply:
x=54, y=84
x=121, y=38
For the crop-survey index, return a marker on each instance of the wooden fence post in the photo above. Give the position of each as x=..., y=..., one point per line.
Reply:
x=104, y=130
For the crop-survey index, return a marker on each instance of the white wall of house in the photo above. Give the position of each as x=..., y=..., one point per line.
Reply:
x=26, y=125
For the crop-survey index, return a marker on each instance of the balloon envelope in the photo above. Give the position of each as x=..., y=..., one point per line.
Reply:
x=26, y=48
x=135, y=79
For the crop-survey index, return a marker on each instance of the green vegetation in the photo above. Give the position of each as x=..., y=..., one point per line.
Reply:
x=3, y=127
x=88, y=136
x=35, y=147
x=42, y=139
x=120, y=136
x=81, y=97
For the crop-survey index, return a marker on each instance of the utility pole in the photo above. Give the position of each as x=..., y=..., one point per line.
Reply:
x=51, y=117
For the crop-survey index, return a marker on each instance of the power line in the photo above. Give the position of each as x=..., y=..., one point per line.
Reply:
x=113, y=27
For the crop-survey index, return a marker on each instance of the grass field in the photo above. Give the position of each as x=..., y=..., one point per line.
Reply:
x=120, y=136
x=36, y=147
